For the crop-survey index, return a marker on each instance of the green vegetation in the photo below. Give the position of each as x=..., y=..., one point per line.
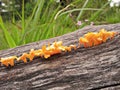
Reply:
x=47, y=19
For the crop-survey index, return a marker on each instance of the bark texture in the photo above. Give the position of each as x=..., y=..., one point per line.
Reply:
x=92, y=68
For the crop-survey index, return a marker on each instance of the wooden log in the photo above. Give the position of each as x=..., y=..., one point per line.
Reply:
x=92, y=68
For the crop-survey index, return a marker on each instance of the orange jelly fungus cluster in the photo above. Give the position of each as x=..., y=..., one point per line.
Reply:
x=88, y=40
x=45, y=52
x=93, y=38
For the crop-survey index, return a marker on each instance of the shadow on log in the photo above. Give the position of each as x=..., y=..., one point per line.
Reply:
x=92, y=68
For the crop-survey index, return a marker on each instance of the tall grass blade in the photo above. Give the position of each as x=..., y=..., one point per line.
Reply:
x=37, y=16
x=39, y=11
x=80, y=14
x=8, y=37
x=79, y=9
x=23, y=17
x=93, y=17
x=31, y=16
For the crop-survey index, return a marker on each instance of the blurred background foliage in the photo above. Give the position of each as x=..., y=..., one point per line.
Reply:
x=25, y=21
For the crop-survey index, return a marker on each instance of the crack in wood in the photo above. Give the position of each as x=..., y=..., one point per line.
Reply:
x=105, y=86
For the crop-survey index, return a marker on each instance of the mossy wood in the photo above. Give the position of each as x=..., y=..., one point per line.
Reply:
x=91, y=68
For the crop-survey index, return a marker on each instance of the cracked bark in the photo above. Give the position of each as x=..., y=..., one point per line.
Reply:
x=92, y=68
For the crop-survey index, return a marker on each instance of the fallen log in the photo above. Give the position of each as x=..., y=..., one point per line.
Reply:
x=91, y=68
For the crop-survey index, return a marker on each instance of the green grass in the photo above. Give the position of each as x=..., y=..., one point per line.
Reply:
x=49, y=19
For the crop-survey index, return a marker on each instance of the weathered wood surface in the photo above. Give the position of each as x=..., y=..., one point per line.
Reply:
x=92, y=68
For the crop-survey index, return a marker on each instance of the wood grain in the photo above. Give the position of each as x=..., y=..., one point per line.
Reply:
x=95, y=68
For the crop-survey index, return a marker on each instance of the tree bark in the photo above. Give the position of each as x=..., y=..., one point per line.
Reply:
x=91, y=68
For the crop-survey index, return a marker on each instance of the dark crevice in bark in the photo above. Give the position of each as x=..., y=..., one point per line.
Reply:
x=106, y=86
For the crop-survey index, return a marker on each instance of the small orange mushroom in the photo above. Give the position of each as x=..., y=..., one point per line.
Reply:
x=8, y=61
x=23, y=58
x=83, y=41
x=92, y=38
